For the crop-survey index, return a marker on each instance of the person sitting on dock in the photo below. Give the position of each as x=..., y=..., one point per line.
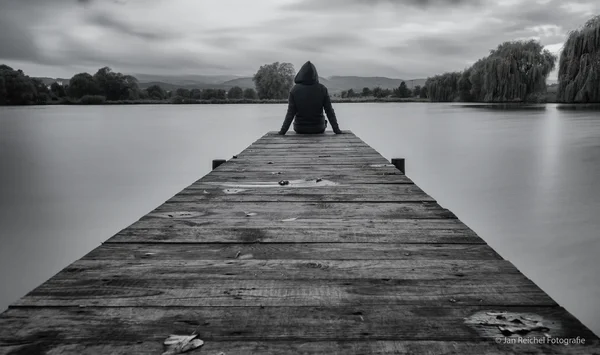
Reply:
x=306, y=102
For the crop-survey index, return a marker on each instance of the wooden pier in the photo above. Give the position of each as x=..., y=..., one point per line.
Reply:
x=309, y=244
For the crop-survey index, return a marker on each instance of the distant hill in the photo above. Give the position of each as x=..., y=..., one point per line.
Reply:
x=244, y=83
x=185, y=80
x=335, y=84
x=339, y=83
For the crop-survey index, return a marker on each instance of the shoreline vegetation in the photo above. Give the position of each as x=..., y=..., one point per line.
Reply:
x=513, y=73
x=103, y=101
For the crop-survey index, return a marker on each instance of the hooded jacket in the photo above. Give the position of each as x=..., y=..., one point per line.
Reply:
x=306, y=102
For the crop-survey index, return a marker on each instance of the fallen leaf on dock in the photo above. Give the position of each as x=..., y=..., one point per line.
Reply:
x=250, y=214
x=289, y=219
x=206, y=192
x=233, y=191
x=237, y=255
x=284, y=182
x=509, y=323
x=178, y=344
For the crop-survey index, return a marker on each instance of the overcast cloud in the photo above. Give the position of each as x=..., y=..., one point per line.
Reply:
x=402, y=39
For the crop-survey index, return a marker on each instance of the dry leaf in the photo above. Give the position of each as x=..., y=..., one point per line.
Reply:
x=250, y=214
x=289, y=219
x=178, y=344
x=233, y=191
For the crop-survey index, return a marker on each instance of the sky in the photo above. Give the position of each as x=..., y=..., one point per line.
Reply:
x=399, y=39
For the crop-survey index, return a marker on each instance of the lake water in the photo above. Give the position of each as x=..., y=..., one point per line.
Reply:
x=527, y=181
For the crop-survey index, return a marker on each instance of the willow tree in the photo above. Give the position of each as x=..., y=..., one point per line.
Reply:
x=579, y=66
x=443, y=87
x=515, y=71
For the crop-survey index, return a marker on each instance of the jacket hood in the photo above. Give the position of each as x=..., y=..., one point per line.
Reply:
x=307, y=74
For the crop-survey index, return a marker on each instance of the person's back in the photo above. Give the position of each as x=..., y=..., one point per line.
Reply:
x=306, y=102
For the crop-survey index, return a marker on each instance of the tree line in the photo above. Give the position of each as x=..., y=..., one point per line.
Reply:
x=401, y=91
x=16, y=88
x=514, y=72
x=517, y=71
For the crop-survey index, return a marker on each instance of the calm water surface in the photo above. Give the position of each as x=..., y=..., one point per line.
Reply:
x=525, y=181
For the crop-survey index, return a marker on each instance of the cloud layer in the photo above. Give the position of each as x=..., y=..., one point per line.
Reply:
x=405, y=39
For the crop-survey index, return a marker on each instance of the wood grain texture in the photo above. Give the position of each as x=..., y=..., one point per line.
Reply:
x=303, y=347
x=362, y=261
x=204, y=192
x=261, y=231
x=298, y=251
x=130, y=291
x=283, y=210
x=379, y=322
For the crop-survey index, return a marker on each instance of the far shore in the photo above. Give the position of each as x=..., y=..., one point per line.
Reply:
x=258, y=101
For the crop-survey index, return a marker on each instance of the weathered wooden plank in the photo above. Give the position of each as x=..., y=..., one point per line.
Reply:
x=267, y=269
x=305, y=347
x=22, y=325
x=298, y=251
x=131, y=291
x=338, y=178
x=301, y=147
x=203, y=192
x=300, y=230
x=300, y=210
x=208, y=231
x=370, y=169
x=347, y=160
x=320, y=153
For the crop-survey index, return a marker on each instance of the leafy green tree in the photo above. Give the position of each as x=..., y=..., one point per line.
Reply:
x=344, y=94
x=155, y=92
x=235, y=92
x=417, y=91
x=579, y=65
x=196, y=94
x=351, y=93
x=83, y=84
x=274, y=81
x=58, y=90
x=366, y=92
x=183, y=93
x=208, y=94
x=2, y=91
x=220, y=94
x=42, y=92
x=250, y=94
x=423, y=92
x=377, y=92
x=402, y=91
x=116, y=86
x=18, y=88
